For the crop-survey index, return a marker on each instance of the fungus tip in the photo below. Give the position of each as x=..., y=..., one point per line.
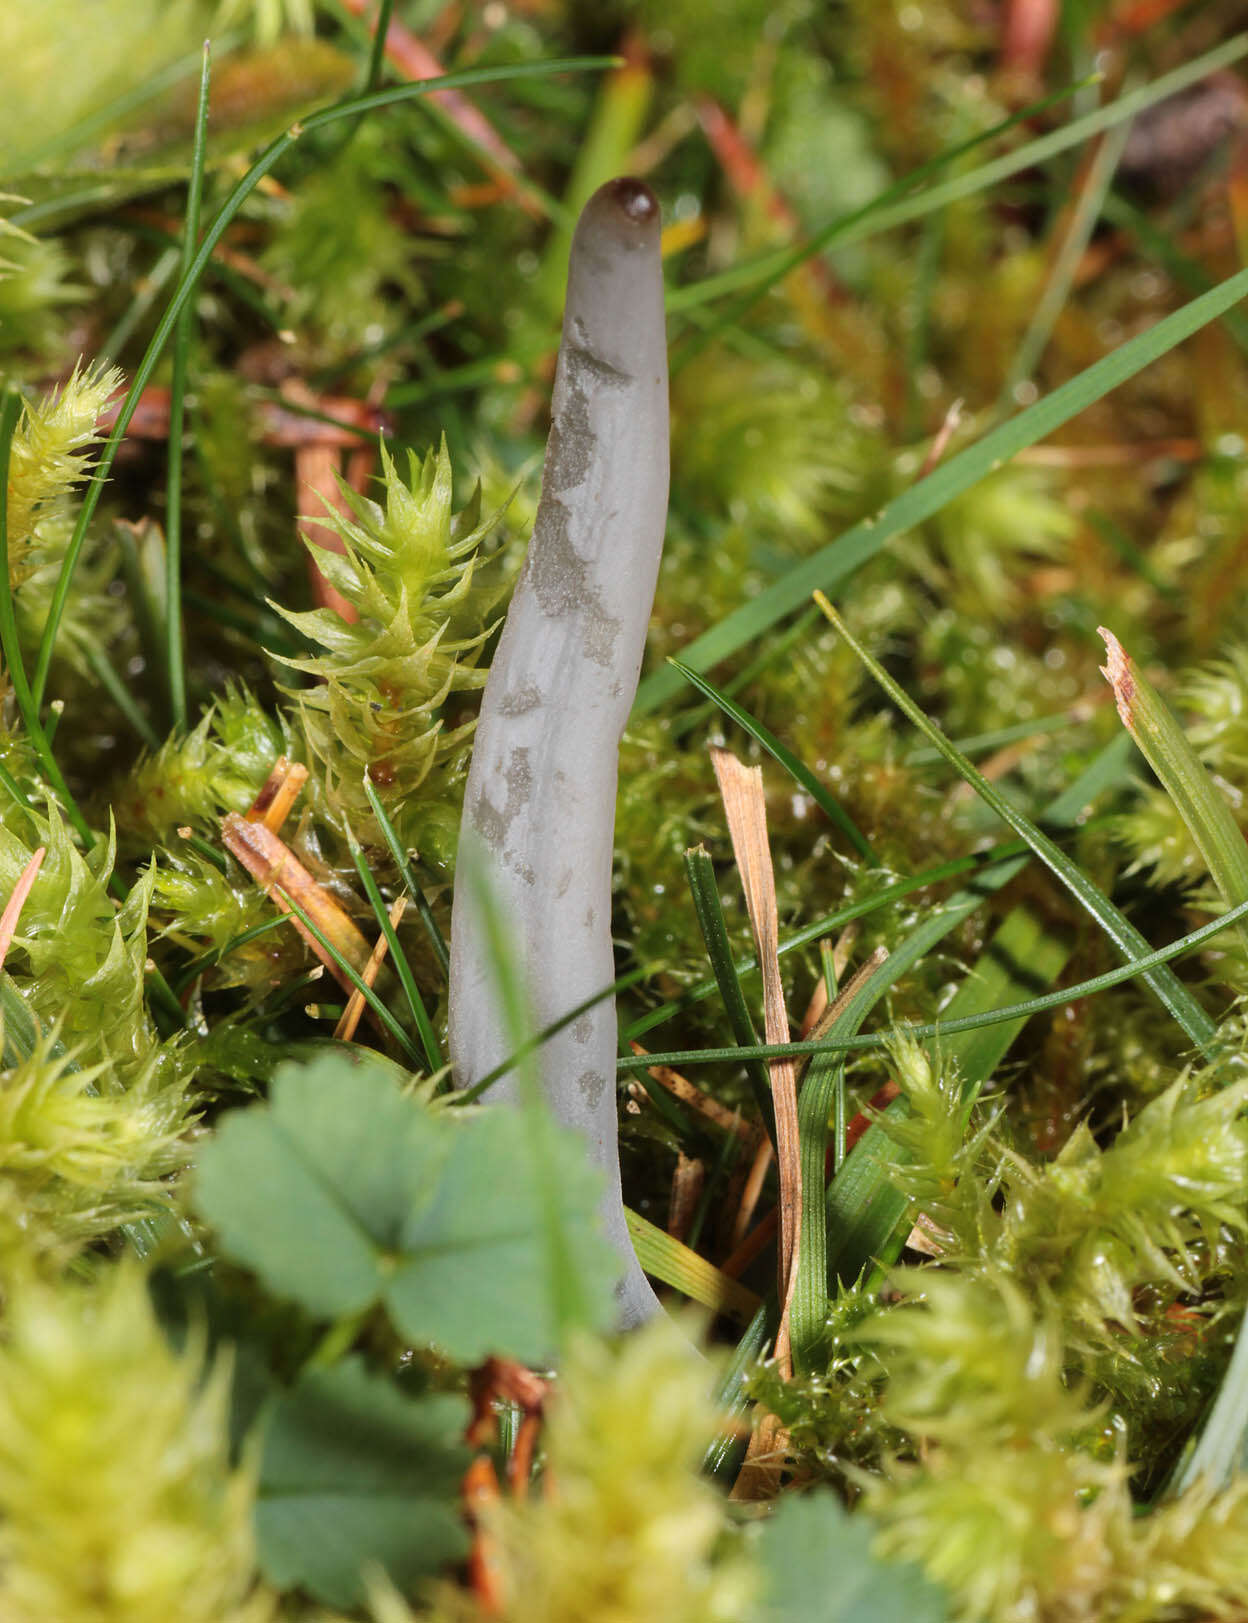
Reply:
x=633, y=198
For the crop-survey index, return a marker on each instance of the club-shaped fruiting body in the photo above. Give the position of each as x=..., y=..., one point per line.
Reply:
x=539, y=809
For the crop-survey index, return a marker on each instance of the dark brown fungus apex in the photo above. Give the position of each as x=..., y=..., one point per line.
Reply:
x=634, y=199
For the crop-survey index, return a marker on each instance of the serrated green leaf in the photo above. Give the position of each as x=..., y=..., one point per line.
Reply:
x=817, y=1565
x=356, y=1474
x=478, y=1233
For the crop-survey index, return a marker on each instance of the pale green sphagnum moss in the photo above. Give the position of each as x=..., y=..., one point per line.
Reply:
x=628, y=1532
x=118, y=1503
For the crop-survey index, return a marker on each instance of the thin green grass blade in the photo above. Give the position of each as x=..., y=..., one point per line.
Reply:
x=978, y=862
x=704, y=890
x=834, y=563
x=175, y=657
x=120, y=694
x=808, y=1308
x=1056, y=290
x=997, y=737
x=876, y=216
x=395, y=846
x=774, y=649
x=684, y=1270
x=1184, y=776
x=205, y=960
x=1161, y=981
x=424, y=1027
x=797, y=770
x=944, y=1027
x=361, y=986
x=763, y=274
x=722, y=1459
x=533, y=1043
x=267, y=160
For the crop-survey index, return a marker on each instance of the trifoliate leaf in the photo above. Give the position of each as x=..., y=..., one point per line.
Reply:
x=479, y=1233
x=354, y=1473
x=509, y=1245
x=816, y=1564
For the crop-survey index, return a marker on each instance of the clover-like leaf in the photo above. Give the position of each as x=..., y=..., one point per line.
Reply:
x=478, y=1232
x=817, y=1565
x=356, y=1474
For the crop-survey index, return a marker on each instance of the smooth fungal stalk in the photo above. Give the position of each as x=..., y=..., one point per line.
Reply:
x=539, y=810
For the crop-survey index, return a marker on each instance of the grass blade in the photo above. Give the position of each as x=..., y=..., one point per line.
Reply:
x=797, y=770
x=267, y=160
x=362, y=987
x=436, y=941
x=946, y=1027
x=1161, y=981
x=424, y=1027
x=704, y=890
x=834, y=563
x=1056, y=291
x=808, y=1310
x=684, y=1270
x=1184, y=777
x=175, y=661
x=875, y=216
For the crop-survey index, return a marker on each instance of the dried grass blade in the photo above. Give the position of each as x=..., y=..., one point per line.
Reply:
x=741, y=789
x=272, y=864
x=350, y=1017
x=17, y=901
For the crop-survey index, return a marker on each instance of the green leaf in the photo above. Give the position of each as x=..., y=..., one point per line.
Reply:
x=356, y=1474
x=817, y=1565
x=836, y=562
x=507, y=1255
x=478, y=1233
x=1164, y=984
x=808, y=1310
x=1184, y=776
x=797, y=770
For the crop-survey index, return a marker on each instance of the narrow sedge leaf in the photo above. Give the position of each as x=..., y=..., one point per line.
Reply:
x=840, y=559
x=874, y=216
x=424, y=1026
x=175, y=667
x=1184, y=777
x=441, y=951
x=673, y=1263
x=1162, y=982
x=808, y=1311
x=797, y=770
x=723, y=1458
x=941, y=925
x=704, y=890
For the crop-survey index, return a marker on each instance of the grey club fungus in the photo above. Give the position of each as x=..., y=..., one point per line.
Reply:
x=539, y=807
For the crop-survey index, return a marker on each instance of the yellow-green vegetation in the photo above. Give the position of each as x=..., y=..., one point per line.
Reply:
x=958, y=339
